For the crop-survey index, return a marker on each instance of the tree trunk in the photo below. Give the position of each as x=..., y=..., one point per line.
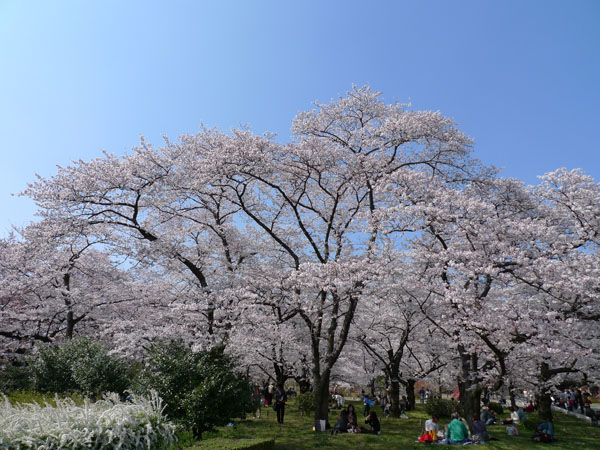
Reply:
x=280, y=375
x=468, y=387
x=470, y=398
x=513, y=399
x=542, y=397
x=322, y=396
x=544, y=404
x=372, y=388
x=395, y=397
x=70, y=325
x=410, y=394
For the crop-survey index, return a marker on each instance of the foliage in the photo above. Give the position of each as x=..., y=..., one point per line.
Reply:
x=238, y=444
x=305, y=402
x=201, y=389
x=496, y=407
x=443, y=407
x=106, y=424
x=78, y=365
x=14, y=378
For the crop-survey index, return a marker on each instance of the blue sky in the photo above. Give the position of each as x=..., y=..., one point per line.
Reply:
x=78, y=77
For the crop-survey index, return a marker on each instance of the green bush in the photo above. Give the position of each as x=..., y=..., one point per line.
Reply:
x=79, y=365
x=442, y=407
x=201, y=390
x=496, y=407
x=236, y=444
x=14, y=378
x=306, y=402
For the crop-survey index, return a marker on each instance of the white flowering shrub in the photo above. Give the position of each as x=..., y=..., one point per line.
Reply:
x=105, y=424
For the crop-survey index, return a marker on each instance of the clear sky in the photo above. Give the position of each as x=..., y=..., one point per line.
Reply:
x=78, y=77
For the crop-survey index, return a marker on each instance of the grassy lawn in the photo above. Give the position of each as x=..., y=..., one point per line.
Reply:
x=296, y=433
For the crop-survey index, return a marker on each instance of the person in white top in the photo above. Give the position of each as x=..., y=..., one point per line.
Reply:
x=514, y=415
x=432, y=424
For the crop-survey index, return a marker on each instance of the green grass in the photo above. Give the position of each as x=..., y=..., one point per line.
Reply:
x=24, y=397
x=296, y=433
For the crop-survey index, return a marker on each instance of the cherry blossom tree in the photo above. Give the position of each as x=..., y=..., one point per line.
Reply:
x=214, y=207
x=55, y=283
x=503, y=253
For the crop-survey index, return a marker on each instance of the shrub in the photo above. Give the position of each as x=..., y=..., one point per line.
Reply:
x=442, y=407
x=78, y=365
x=14, y=378
x=306, y=402
x=106, y=424
x=201, y=389
x=496, y=407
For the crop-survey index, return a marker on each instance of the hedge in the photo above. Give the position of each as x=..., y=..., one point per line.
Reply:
x=235, y=444
x=442, y=407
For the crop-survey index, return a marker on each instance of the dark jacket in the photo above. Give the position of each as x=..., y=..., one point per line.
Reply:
x=480, y=430
x=375, y=425
x=280, y=396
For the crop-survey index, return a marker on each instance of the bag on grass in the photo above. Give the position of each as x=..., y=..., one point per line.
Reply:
x=426, y=438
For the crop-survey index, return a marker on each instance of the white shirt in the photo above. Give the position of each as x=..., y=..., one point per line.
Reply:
x=431, y=425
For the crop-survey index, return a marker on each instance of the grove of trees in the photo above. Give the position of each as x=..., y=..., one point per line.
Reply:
x=372, y=243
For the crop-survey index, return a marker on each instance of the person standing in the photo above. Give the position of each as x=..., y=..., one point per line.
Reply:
x=280, y=397
x=257, y=397
x=367, y=403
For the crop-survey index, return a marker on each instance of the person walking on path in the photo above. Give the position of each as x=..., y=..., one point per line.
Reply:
x=280, y=398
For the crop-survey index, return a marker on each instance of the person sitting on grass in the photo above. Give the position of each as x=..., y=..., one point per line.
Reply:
x=373, y=421
x=522, y=416
x=403, y=405
x=529, y=408
x=458, y=433
x=512, y=418
x=341, y=426
x=543, y=433
x=487, y=416
x=432, y=428
x=480, y=433
x=352, y=420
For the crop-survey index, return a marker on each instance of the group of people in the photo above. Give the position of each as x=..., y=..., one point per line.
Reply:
x=576, y=400
x=386, y=403
x=271, y=396
x=347, y=422
x=424, y=395
x=458, y=433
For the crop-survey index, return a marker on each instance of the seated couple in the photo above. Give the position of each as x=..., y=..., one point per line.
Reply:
x=346, y=422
